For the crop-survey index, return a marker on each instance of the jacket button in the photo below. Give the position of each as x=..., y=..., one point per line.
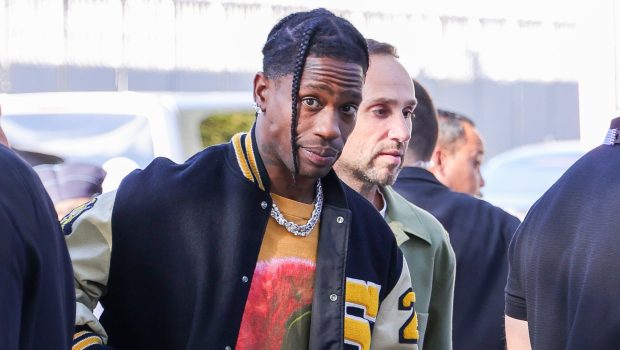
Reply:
x=228, y=348
x=263, y=205
x=333, y=297
x=245, y=279
x=340, y=219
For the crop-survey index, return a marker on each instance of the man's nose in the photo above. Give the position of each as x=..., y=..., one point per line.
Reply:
x=327, y=125
x=400, y=129
x=481, y=180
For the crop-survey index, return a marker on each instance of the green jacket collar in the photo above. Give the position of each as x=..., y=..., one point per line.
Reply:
x=403, y=221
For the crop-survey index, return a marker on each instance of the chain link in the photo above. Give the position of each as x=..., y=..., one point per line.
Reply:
x=301, y=230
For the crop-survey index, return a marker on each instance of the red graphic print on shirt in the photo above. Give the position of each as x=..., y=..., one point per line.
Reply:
x=277, y=312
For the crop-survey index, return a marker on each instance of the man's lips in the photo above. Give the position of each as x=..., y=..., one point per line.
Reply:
x=320, y=156
x=394, y=153
x=323, y=152
x=395, y=156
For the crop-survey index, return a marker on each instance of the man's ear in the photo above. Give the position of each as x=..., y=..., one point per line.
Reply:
x=261, y=89
x=436, y=158
x=439, y=160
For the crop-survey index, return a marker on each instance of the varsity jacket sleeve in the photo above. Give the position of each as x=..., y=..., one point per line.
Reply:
x=88, y=232
x=396, y=326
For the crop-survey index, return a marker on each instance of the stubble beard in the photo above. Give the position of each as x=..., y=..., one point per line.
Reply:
x=369, y=173
x=377, y=174
x=382, y=178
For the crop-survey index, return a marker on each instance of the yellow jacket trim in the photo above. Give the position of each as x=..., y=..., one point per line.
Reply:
x=243, y=164
x=87, y=342
x=252, y=160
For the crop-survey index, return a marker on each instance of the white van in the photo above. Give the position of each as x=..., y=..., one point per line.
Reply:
x=120, y=131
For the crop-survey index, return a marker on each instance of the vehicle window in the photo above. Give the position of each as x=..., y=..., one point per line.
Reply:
x=92, y=138
x=220, y=128
x=531, y=175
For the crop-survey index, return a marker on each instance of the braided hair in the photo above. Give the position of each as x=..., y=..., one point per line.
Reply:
x=318, y=33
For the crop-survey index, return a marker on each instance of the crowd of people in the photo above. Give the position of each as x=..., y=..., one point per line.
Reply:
x=348, y=217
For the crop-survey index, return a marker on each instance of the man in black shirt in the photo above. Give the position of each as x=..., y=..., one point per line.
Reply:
x=563, y=284
x=479, y=233
x=37, y=301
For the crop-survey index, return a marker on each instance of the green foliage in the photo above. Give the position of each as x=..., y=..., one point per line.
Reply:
x=220, y=128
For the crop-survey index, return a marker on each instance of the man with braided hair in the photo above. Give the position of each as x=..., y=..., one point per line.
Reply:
x=254, y=244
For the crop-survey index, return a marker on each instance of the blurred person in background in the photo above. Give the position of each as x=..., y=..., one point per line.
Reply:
x=424, y=131
x=3, y=140
x=563, y=286
x=370, y=162
x=37, y=300
x=70, y=185
x=479, y=234
x=458, y=154
x=37, y=158
x=253, y=244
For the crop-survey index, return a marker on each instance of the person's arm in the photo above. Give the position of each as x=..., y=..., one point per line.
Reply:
x=517, y=334
x=12, y=269
x=438, y=334
x=396, y=326
x=88, y=231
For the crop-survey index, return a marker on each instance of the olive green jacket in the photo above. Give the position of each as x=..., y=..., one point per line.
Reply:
x=426, y=247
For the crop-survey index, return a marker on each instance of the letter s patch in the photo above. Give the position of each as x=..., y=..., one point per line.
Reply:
x=361, y=308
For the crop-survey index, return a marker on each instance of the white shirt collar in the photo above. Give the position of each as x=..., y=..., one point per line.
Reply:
x=383, y=210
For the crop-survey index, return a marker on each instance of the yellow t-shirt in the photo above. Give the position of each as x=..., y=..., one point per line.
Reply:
x=277, y=311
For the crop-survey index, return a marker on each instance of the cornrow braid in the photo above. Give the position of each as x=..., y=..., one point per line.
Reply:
x=280, y=24
x=335, y=37
x=300, y=62
x=362, y=42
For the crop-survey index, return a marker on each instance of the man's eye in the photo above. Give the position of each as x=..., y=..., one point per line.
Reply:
x=350, y=109
x=380, y=112
x=311, y=102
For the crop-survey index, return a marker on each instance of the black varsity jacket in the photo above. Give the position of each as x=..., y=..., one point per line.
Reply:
x=170, y=255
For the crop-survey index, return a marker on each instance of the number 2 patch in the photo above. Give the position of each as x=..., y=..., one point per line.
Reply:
x=408, y=333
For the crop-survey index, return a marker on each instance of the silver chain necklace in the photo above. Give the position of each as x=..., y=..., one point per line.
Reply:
x=301, y=230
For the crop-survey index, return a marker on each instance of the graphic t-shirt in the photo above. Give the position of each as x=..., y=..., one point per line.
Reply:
x=277, y=311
